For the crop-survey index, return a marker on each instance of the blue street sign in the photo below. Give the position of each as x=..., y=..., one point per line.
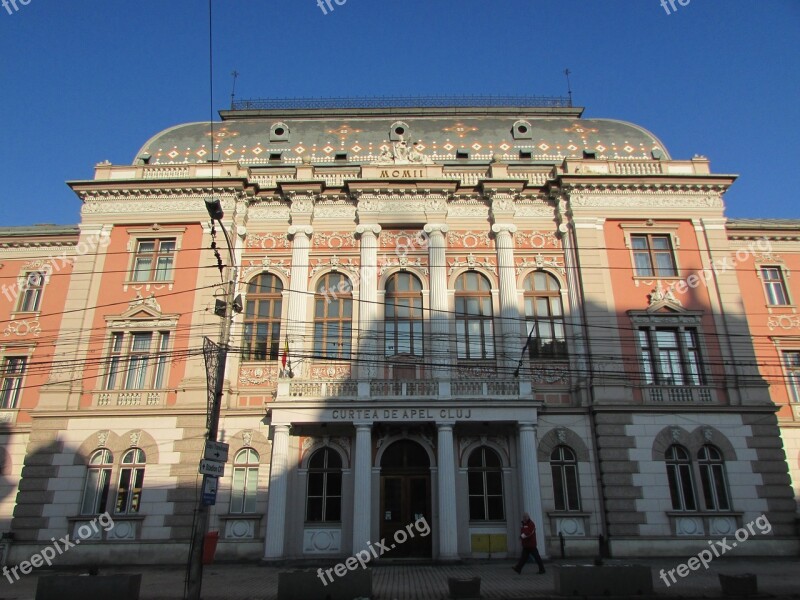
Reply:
x=209, y=490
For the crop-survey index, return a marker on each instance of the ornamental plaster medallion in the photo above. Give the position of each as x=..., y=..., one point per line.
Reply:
x=23, y=328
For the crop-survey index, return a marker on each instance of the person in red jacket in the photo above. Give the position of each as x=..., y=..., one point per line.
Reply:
x=528, y=536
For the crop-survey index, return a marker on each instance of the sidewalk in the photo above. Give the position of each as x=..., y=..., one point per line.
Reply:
x=777, y=578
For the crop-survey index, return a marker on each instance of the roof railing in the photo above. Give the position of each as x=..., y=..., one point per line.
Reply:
x=403, y=102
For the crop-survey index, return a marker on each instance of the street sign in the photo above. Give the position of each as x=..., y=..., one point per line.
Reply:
x=210, y=467
x=210, y=490
x=216, y=451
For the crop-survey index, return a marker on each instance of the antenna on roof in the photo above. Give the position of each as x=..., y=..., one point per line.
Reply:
x=234, y=74
x=569, y=87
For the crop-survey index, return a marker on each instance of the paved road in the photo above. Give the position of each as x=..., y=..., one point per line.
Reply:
x=777, y=578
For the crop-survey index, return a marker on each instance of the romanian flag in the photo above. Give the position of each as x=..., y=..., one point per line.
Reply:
x=285, y=357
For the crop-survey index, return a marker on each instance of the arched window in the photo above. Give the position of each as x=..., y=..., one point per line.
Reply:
x=245, y=482
x=544, y=316
x=564, y=467
x=712, y=477
x=485, y=475
x=474, y=327
x=403, y=317
x=131, y=479
x=679, y=476
x=324, y=499
x=333, y=317
x=98, y=479
x=262, y=318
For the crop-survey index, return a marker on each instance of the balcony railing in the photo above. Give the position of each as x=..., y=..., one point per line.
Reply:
x=679, y=394
x=390, y=388
x=124, y=398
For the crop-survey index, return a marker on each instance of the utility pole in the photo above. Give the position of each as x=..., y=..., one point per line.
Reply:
x=215, y=363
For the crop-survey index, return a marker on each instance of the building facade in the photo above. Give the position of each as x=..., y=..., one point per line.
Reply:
x=449, y=316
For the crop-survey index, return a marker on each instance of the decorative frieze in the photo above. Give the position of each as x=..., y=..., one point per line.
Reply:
x=335, y=239
x=267, y=241
x=23, y=328
x=537, y=239
x=783, y=322
x=335, y=263
x=331, y=372
x=541, y=261
x=266, y=375
x=469, y=239
x=265, y=264
x=471, y=261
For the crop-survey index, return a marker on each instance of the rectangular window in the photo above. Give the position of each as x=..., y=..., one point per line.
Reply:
x=774, y=286
x=670, y=356
x=30, y=294
x=134, y=363
x=95, y=494
x=792, y=361
x=681, y=488
x=653, y=255
x=129, y=492
x=154, y=260
x=13, y=371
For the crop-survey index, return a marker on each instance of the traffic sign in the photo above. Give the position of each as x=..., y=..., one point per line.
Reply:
x=211, y=467
x=210, y=490
x=216, y=451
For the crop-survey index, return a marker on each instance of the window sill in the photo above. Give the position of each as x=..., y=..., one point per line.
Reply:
x=27, y=314
x=658, y=277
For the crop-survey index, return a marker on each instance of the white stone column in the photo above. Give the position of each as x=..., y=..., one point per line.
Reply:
x=296, y=328
x=448, y=526
x=531, y=501
x=439, y=322
x=368, y=306
x=362, y=487
x=276, y=511
x=510, y=331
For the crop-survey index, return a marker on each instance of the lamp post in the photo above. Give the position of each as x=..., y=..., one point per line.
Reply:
x=226, y=309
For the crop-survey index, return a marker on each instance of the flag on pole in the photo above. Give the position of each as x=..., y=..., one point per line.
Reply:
x=285, y=357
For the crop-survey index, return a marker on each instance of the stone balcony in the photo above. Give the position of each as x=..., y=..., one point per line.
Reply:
x=389, y=389
x=679, y=394
x=129, y=398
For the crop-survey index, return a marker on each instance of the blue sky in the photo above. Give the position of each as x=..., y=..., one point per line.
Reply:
x=82, y=82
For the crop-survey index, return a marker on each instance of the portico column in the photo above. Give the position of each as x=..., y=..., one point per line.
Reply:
x=440, y=339
x=509, y=311
x=276, y=511
x=529, y=475
x=448, y=528
x=368, y=307
x=362, y=483
x=298, y=294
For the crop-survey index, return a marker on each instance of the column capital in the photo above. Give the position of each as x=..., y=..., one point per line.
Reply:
x=302, y=229
x=436, y=228
x=362, y=426
x=504, y=228
x=524, y=426
x=367, y=229
x=282, y=428
x=445, y=425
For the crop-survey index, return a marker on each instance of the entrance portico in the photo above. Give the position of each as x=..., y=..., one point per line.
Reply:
x=404, y=462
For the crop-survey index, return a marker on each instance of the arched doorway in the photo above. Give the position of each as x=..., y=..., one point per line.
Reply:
x=405, y=498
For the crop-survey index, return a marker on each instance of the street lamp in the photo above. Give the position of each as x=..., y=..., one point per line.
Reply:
x=226, y=309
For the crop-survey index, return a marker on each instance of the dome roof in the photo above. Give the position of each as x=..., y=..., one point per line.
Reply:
x=285, y=137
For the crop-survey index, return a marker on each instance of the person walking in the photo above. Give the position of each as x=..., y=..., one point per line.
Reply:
x=528, y=536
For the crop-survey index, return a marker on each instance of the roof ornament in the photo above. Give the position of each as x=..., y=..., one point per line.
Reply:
x=402, y=153
x=661, y=296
